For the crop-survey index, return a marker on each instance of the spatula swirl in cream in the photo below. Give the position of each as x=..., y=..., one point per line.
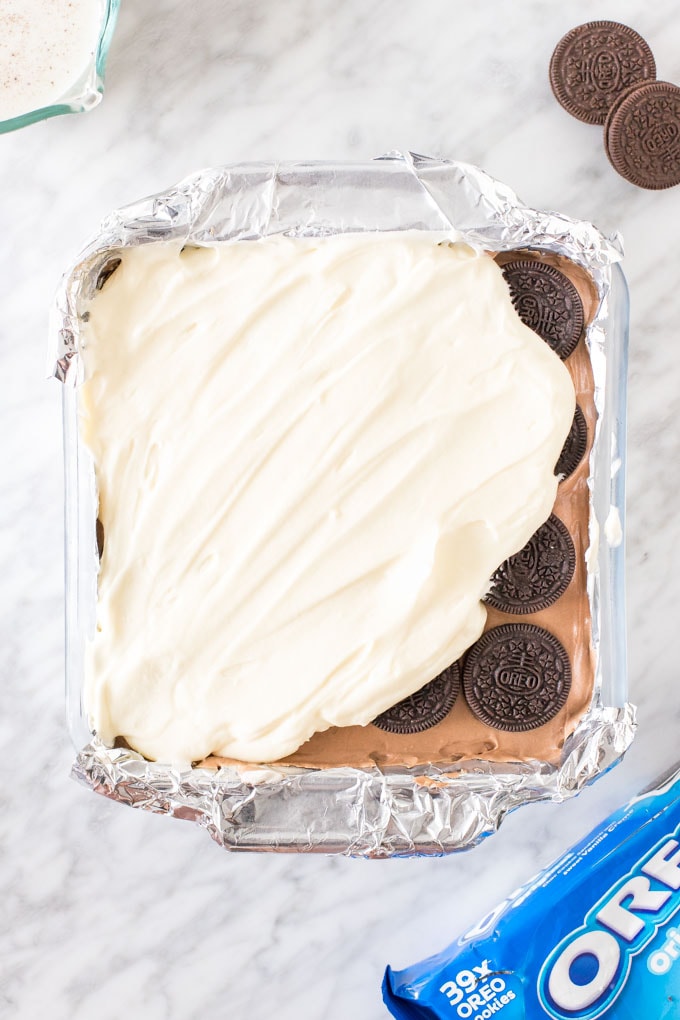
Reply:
x=311, y=455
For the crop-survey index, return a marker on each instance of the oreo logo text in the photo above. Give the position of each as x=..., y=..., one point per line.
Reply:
x=587, y=971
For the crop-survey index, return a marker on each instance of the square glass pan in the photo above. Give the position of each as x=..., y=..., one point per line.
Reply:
x=357, y=811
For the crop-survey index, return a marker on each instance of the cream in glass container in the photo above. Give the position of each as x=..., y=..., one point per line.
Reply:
x=48, y=51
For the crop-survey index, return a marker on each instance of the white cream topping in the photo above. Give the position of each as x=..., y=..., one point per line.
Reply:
x=311, y=456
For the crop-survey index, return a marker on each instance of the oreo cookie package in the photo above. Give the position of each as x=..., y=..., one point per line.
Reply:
x=594, y=935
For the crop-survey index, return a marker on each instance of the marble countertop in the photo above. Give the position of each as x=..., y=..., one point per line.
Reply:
x=115, y=913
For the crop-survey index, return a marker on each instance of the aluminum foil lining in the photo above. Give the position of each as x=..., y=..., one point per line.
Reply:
x=350, y=811
x=365, y=812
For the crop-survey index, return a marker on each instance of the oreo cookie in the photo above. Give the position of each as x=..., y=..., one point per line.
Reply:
x=547, y=302
x=575, y=445
x=642, y=135
x=612, y=110
x=535, y=577
x=107, y=270
x=424, y=709
x=99, y=529
x=593, y=63
x=516, y=677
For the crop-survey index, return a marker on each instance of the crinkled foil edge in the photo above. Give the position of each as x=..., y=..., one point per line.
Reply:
x=357, y=812
x=360, y=813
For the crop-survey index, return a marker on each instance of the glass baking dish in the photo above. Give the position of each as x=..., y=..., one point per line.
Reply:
x=87, y=91
x=362, y=812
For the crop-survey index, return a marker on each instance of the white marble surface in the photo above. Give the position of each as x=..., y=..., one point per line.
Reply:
x=114, y=913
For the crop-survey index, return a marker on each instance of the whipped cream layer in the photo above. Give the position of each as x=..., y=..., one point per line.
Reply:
x=311, y=456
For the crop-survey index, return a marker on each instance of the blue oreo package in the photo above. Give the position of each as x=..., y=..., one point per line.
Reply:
x=594, y=935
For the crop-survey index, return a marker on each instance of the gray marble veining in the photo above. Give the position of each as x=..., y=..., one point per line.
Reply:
x=117, y=913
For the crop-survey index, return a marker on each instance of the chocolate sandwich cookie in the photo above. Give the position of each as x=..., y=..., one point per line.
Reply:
x=593, y=63
x=99, y=529
x=547, y=302
x=424, y=709
x=535, y=577
x=107, y=270
x=516, y=677
x=642, y=135
x=575, y=445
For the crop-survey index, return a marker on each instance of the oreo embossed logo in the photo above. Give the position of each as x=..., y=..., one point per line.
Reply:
x=521, y=680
